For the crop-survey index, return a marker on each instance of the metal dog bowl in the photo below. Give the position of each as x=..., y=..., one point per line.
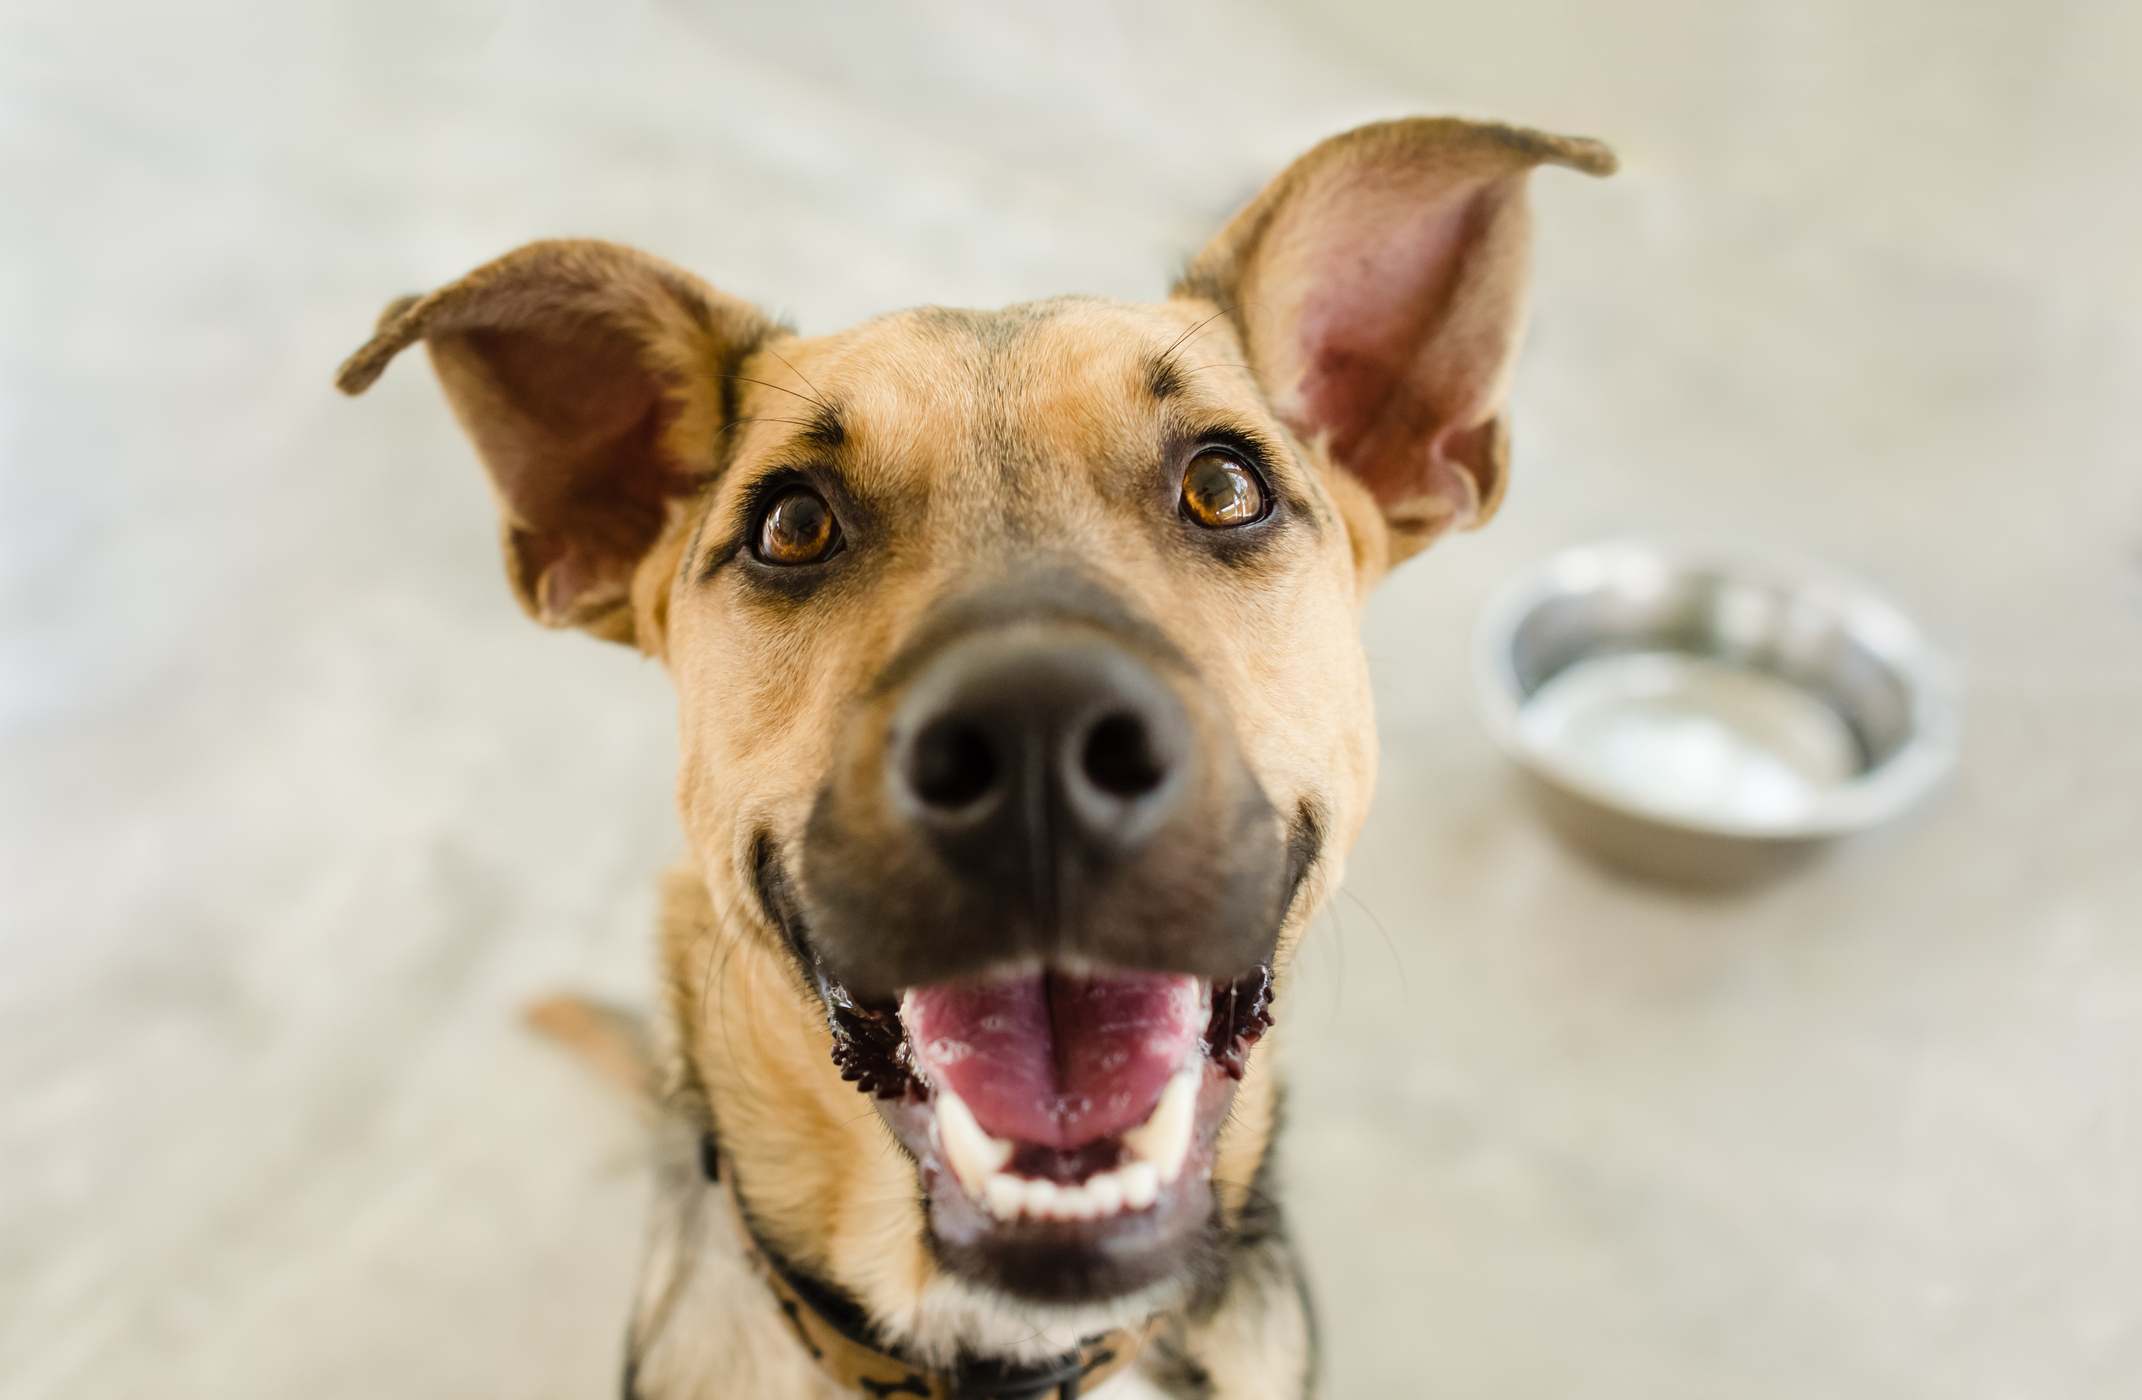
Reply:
x=1709, y=714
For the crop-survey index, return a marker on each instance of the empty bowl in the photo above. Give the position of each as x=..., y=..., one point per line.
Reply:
x=1711, y=714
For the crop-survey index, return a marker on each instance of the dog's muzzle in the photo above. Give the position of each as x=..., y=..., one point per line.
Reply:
x=1042, y=781
x=1041, y=894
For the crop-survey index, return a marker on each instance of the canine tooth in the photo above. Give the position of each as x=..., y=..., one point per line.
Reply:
x=1106, y=1193
x=1005, y=1196
x=973, y=1154
x=1141, y=1184
x=1164, y=1138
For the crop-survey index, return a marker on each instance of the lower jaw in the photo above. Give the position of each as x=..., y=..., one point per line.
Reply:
x=1149, y=1225
x=1070, y=1262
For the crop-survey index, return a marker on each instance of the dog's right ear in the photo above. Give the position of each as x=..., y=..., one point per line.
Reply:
x=591, y=379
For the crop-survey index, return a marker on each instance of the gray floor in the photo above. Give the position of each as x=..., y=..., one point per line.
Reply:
x=295, y=809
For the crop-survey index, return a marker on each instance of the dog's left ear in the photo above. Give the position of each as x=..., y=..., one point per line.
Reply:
x=1379, y=287
x=591, y=378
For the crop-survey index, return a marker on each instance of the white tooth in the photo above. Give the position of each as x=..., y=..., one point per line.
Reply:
x=1141, y=1184
x=1191, y=997
x=1005, y=1196
x=1164, y=1138
x=1041, y=1199
x=1069, y=1202
x=1106, y=1193
x=972, y=1153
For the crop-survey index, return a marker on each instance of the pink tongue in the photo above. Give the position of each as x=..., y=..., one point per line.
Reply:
x=1055, y=1059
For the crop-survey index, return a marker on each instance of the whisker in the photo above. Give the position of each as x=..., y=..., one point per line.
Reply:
x=740, y=422
x=780, y=388
x=802, y=376
x=1169, y=353
x=730, y=931
x=1337, y=943
x=1397, y=963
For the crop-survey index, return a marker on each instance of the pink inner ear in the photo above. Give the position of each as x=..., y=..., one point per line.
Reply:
x=1398, y=367
x=577, y=456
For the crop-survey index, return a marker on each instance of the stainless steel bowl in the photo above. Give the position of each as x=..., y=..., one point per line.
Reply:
x=1707, y=713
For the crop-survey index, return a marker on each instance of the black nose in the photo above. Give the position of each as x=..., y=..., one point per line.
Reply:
x=1033, y=756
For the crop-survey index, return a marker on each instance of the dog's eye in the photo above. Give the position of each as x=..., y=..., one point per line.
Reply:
x=1220, y=493
x=797, y=528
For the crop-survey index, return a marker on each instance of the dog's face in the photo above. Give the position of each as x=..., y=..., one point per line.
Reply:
x=1024, y=719
x=1044, y=629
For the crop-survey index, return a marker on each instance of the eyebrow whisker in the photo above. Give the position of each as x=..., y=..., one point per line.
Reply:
x=802, y=376
x=1169, y=353
x=740, y=422
x=781, y=389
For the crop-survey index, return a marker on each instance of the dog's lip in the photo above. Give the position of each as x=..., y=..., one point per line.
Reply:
x=872, y=1049
x=1029, y=1254
x=1132, y=1189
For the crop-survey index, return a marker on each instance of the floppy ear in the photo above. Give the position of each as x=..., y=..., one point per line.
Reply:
x=590, y=378
x=1379, y=287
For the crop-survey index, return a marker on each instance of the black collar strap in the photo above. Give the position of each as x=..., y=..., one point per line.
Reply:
x=837, y=1333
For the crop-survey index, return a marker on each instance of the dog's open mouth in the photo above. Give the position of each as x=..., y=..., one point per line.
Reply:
x=1058, y=1113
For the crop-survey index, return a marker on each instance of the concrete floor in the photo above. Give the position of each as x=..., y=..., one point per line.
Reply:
x=297, y=810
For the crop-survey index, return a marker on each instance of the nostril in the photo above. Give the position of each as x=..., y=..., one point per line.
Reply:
x=951, y=765
x=1119, y=757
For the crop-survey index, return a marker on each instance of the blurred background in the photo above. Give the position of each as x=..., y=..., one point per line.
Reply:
x=296, y=810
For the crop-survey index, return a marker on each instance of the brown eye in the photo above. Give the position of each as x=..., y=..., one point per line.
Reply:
x=1220, y=493
x=797, y=528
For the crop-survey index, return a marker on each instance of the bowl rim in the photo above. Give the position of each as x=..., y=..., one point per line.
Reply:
x=1880, y=795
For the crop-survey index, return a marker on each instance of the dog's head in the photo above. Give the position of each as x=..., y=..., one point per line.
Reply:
x=1025, y=721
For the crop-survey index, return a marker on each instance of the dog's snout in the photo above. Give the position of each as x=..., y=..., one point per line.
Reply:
x=1038, y=774
x=1007, y=748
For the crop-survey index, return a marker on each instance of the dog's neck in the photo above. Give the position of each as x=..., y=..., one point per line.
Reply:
x=830, y=1325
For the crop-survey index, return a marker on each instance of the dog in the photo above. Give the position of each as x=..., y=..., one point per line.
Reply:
x=1025, y=726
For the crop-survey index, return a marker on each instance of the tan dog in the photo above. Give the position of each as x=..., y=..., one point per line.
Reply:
x=1025, y=727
